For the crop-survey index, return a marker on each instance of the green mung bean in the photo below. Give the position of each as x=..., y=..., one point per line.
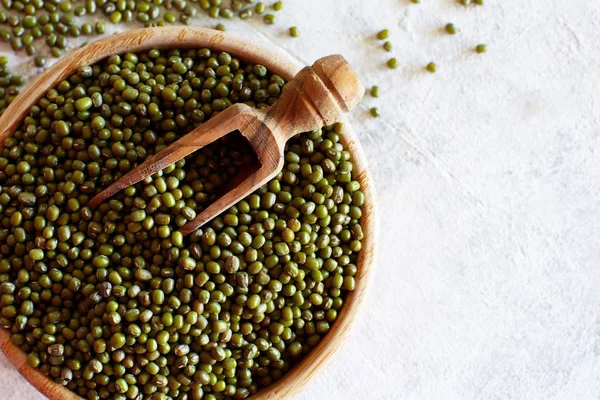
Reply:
x=383, y=34
x=259, y=8
x=278, y=6
x=269, y=19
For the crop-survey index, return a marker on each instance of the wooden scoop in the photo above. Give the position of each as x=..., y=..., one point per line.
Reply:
x=316, y=97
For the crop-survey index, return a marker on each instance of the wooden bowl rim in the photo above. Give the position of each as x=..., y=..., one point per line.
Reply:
x=143, y=39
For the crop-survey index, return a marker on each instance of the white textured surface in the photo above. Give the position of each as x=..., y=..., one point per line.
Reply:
x=488, y=180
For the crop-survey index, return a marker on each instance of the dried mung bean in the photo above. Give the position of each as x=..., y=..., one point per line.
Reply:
x=383, y=34
x=259, y=8
x=269, y=19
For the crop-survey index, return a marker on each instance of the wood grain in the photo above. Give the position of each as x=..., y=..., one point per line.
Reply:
x=182, y=37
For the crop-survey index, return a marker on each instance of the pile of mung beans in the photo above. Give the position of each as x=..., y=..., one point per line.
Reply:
x=42, y=28
x=29, y=24
x=9, y=84
x=115, y=302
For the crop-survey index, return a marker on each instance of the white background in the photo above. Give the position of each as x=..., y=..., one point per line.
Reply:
x=488, y=178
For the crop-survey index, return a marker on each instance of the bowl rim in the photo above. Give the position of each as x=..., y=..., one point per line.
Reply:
x=295, y=380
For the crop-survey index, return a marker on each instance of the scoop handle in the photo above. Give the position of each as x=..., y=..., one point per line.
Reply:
x=316, y=97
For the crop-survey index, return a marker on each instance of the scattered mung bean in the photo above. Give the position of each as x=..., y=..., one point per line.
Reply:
x=383, y=34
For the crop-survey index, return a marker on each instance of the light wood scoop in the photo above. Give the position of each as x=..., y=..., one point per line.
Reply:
x=316, y=97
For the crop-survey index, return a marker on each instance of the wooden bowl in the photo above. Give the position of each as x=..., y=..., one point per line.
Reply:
x=298, y=377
